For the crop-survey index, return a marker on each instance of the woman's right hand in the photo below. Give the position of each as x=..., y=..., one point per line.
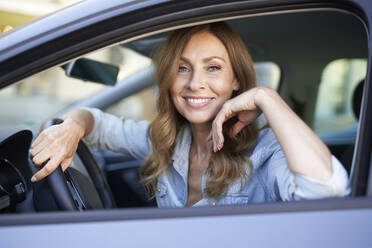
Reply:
x=56, y=146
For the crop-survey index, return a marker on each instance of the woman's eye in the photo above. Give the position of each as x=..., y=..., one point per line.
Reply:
x=212, y=68
x=182, y=69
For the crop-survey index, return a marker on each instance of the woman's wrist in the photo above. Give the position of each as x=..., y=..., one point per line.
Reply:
x=265, y=97
x=83, y=119
x=75, y=125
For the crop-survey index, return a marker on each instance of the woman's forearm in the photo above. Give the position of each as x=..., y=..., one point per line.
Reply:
x=305, y=152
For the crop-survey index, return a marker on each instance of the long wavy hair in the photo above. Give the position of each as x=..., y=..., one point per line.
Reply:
x=230, y=163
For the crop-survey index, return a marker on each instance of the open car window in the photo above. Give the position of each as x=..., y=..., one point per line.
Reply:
x=291, y=54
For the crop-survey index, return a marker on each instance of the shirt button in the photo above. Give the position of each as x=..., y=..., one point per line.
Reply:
x=213, y=203
x=158, y=190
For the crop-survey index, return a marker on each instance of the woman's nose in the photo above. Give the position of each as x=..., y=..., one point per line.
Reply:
x=196, y=82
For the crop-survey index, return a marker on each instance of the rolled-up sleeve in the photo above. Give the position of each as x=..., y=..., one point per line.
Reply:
x=287, y=185
x=336, y=185
x=119, y=135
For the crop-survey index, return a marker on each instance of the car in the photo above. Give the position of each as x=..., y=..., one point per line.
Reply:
x=314, y=53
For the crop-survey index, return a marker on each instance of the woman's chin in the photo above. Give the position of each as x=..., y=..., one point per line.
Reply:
x=199, y=119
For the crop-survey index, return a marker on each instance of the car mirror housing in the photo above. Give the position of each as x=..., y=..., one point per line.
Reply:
x=93, y=71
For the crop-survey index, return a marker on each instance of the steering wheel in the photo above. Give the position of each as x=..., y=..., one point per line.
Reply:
x=59, y=182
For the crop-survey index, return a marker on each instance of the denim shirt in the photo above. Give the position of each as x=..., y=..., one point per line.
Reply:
x=270, y=180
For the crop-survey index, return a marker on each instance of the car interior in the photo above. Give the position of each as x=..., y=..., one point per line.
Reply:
x=315, y=59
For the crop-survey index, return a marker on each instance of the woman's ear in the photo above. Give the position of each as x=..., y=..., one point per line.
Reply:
x=235, y=84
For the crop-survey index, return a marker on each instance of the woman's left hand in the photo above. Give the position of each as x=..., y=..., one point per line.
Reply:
x=305, y=152
x=243, y=107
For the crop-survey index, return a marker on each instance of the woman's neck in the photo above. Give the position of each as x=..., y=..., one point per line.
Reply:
x=200, y=145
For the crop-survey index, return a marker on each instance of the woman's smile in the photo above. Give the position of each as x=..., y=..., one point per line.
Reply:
x=198, y=102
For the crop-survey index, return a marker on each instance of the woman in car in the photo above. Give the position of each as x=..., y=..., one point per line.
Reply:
x=205, y=146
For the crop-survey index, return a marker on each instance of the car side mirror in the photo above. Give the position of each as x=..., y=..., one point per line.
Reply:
x=91, y=70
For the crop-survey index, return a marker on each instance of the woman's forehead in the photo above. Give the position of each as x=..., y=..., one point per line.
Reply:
x=205, y=46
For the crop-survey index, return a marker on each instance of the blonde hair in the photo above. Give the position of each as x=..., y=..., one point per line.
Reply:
x=225, y=166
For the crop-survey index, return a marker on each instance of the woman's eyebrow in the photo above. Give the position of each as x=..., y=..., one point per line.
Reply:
x=213, y=57
x=207, y=59
x=185, y=60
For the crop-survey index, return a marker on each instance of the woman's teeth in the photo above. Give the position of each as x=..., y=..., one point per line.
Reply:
x=198, y=100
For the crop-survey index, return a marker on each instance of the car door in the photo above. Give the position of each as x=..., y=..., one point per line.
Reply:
x=341, y=222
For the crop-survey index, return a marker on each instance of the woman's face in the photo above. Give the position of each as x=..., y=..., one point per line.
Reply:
x=205, y=79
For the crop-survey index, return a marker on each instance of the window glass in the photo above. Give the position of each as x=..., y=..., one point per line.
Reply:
x=41, y=96
x=334, y=107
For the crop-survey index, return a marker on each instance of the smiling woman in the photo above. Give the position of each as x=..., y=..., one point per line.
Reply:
x=199, y=83
x=204, y=146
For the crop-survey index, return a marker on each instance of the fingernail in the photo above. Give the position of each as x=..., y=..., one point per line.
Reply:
x=33, y=179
